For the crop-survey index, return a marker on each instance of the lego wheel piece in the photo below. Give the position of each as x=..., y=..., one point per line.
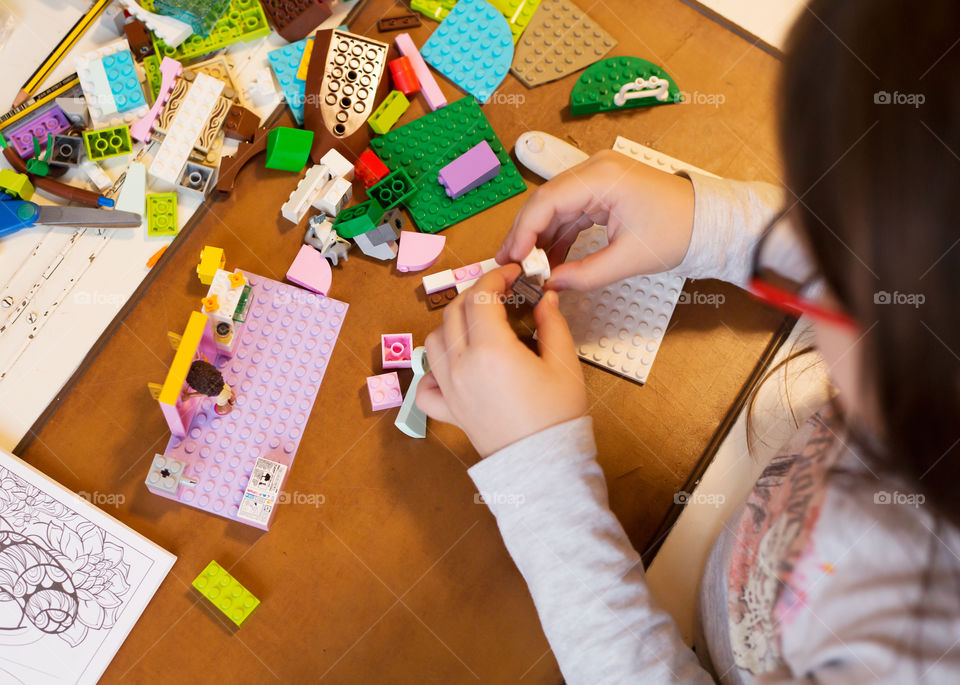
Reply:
x=473, y=47
x=353, y=68
x=311, y=270
x=622, y=83
x=418, y=251
x=560, y=40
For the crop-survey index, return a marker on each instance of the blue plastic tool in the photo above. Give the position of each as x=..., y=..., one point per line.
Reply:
x=17, y=214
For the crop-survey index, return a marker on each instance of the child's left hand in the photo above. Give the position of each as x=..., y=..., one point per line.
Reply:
x=487, y=382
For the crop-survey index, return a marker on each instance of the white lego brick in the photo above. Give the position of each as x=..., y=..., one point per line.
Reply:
x=297, y=205
x=171, y=31
x=338, y=164
x=384, y=251
x=489, y=265
x=441, y=280
x=262, y=90
x=190, y=121
x=95, y=173
x=463, y=285
x=536, y=266
x=334, y=196
x=228, y=296
x=101, y=106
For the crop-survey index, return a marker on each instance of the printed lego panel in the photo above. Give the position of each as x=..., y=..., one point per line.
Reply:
x=429, y=143
x=353, y=68
x=279, y=362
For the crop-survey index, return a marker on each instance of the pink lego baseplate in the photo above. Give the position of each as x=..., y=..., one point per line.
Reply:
x=285, y=345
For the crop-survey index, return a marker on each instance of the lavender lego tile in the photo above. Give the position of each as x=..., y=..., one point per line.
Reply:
x=53, y=120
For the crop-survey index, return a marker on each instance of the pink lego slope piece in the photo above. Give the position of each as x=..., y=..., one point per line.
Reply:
x=428, y=85
x=396, y=350
x=277, y=368
x=53, y=120
x=419, y=251
x=311, y=270
x=473, y=168
x=384, y=391
x=170, y=69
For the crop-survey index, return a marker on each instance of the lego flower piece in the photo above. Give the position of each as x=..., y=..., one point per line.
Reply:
x=237, y=279
x=418, y=251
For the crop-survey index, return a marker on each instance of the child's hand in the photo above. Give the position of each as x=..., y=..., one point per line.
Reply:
x=648, y=214
x=487, y=382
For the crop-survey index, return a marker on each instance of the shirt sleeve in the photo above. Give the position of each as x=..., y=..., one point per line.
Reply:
x=549, y=497
x=729, y=217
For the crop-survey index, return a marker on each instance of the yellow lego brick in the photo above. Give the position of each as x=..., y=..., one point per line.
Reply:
x=228, y=595
x=177, y=375
x=211, y=259
x=305, y=60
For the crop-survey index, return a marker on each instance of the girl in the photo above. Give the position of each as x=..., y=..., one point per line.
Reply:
x=843, y=565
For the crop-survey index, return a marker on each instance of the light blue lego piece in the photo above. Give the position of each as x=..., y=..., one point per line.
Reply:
x=123, y=80
x=285, y=61
x=410, y=420
x=473, y=47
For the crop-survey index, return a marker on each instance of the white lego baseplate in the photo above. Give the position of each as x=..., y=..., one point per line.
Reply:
x=620, y=327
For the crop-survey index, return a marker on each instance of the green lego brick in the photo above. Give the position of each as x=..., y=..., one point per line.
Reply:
x=392, y=190
x=202, y=15
x=353, y=221
x=229, y=596
x=433, y=9
x=288, y=148
x=162, y=214
x=243, y=21
x=596, y=88
x=389, y=111
x=16, y=185
x=517, y=13
x=429, y=143
x=104, y=143
x=151, y=65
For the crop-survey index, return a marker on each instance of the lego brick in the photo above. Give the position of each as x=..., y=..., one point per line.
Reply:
x=229, y=596
x=110, y=85
x=403, y=75
x=311, y=270
x=352, y=63
x=518, y=14
x=418, y=251
x=218, y=67
x=261, y=90
x=395, y=189
x=465, y=276
x=277, y=369
x=308, y=188
x=164, y=475
x=285, y=61
x=387, y=231
x=162, y=214
x=107, y=142
x=358, y=219
x=195, y=335
x=441, y=280
x=96, y=88
x=441, y=298
x=170, y=71
x=473, y=47
x=132, y=196
x=124, y=81
x=339, y=165
x=369, y=169
x=211, y=259
x=428, y=85
x=240, y=123
x=201, y=15
x=384, y=390
x=48, y=120
x=263, y=491
x=16, y=185
x=231, y=166
x=410, y=420
x=527, y=292
x=536, y=266
x=171, y=30
x=398, y=22
x=618, y=83
x=334, y=196
x=470, y=170
x=546, y=155
x=560, y=40
x=197, y=180
x=151, y=67
x=294, y=19
x=182, y=135
x=304, y=65
x=288, y=148
x=95, y=174
x=427, y=144
x=389, y=111
x=227, y=304
x=433, y=9
x=396, y=350
x=243, y=21
x=138, y=38
x=382, y=250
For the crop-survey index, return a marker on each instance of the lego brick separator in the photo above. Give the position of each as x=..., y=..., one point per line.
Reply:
x=279, y=363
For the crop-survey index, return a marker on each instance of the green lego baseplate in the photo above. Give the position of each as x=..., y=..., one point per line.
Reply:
x=162, y=214
x=229, y=596
x=104, y=143
x=151, y=66
x=429, y=143
x=244, y=21
x=597, y=87
x=393, y=189
x=353, y=221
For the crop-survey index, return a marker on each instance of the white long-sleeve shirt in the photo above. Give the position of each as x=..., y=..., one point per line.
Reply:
x=821, y=577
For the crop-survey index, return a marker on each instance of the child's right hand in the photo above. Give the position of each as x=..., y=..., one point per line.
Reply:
x=648, y=214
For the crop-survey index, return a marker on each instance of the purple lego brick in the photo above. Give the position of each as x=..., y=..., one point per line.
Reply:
x=473, y=168
x=51, y=120
x=283, y=351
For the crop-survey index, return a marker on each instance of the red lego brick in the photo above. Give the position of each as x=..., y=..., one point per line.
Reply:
x=369, y=169
x=404, y=77
x=296, y=19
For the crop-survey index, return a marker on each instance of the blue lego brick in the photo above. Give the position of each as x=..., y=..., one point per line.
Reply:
x=285, y=61
x=473, y=47
x=124, y=82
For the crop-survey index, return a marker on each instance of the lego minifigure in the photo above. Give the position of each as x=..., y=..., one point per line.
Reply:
x=207, y=381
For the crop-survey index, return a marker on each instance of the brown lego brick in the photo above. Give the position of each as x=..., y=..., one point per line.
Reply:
x=141, y=43
x=241, y=123
x=295, y=19
x=398, y=23
x=530, y=292
x=441, y=298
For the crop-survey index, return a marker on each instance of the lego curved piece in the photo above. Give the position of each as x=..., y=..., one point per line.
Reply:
x=614, y=84
x=418, y=251
x=547, y=155
x=170, y=70
x=231, y=166
x=311, y=270
x=473, y=47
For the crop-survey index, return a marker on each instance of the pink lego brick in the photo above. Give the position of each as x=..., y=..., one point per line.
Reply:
x=428, y=85
x=384, y=391
x=470, y=272
x=311, y=270
x=473, y=168
x=51, y=120
x=396, y=350
x=170, y=70
x=419, y=251
x=278, y=365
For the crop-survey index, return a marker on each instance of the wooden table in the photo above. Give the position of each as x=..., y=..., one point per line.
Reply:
x=399, y=575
